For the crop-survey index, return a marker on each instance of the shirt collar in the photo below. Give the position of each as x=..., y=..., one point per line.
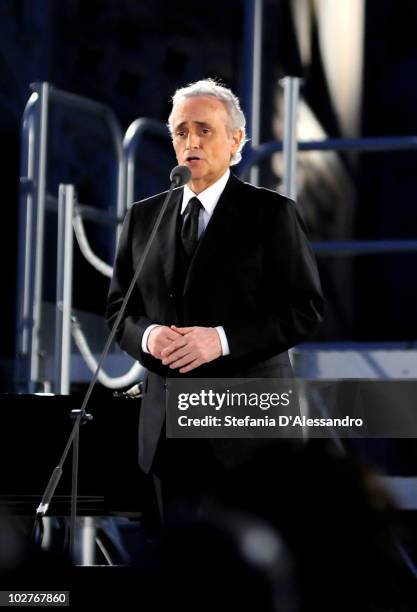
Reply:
x=209, y=197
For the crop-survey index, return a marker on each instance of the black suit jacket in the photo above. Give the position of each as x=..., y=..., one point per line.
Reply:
x=253, y=272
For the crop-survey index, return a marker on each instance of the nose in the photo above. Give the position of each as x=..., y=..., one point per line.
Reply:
x=193, y=140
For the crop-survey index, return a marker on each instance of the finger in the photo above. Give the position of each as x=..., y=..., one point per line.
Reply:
x=173, y=346
x=163, y=344
x=177, y=330
x=178, y=354
x=179, y=363
x=191, y=366
x=182, y=330
x=161, y=340
x=173, y=332
x=175, y=356
x=182, y=352
x=172, y=335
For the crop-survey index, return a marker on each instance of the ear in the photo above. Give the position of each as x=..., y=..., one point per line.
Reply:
x=237, y=137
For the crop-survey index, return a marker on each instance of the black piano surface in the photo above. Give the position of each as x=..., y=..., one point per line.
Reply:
x=34, y=431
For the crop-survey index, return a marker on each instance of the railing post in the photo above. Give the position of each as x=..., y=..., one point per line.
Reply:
x=42, y=90
x=88, y=540
x=134, y=133
x=251, y=95
x=26, y=255
x=129, y=150
x=291, y=92
x=64, y=290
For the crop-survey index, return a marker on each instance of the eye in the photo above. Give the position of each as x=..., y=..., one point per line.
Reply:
x=205, y=131
x=179, y=133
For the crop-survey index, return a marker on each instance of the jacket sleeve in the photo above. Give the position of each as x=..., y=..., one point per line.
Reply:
x=134, y=321
x=291, y=304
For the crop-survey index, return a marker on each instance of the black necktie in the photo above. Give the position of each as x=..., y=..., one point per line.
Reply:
x=189, y=231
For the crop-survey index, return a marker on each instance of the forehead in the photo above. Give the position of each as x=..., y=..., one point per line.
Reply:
x=201, y=109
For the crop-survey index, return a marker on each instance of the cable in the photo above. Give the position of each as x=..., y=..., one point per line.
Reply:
x=85, y=248
x=79, y=338
x=112, y=383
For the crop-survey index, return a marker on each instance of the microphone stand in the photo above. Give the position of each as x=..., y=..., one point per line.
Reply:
x=179, y=176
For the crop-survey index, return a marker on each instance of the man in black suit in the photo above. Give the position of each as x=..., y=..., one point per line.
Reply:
x=230, y=283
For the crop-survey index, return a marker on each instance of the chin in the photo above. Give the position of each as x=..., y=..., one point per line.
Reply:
x=196, y=176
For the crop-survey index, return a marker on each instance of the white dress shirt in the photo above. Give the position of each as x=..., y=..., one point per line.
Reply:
x=208, y=198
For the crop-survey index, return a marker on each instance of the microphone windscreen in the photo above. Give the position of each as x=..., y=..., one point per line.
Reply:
x=180, y=175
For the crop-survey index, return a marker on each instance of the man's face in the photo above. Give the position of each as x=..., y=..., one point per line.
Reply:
x=203, y=140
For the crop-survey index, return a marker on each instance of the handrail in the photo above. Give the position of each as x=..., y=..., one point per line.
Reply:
x=374, y=144
x=66, y=324
x=363, y=247
x=26, y=230
x=32, y=216
x=378, y=144
x=252, y=72
x=101, y=110
x=134, y=133
x=90, y=213
x=64, y=273
x=34, y=199
x=85, y=248
x=132, y=376
x=290, y=144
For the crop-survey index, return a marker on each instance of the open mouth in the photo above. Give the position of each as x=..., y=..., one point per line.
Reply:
x=191, y=158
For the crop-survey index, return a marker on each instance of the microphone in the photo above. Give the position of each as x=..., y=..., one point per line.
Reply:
x=180, y=175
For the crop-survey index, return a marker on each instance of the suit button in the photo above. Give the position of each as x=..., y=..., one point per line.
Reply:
x=171, y=295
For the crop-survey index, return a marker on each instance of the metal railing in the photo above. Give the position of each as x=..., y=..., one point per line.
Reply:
x=133, y=138
x=389, y=143
x=289, y=148
x=64, y=271
x=66, y=324
x=252, y=73
x=33, y=202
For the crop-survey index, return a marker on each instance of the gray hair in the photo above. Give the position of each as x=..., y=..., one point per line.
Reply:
x=209, y=87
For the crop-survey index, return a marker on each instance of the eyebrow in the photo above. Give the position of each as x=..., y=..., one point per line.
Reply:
x=184, y=124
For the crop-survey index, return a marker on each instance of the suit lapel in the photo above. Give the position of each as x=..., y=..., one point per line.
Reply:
x=167, y=238
x=218, y=235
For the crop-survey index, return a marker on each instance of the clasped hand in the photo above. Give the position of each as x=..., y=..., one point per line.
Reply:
x=185, y=348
